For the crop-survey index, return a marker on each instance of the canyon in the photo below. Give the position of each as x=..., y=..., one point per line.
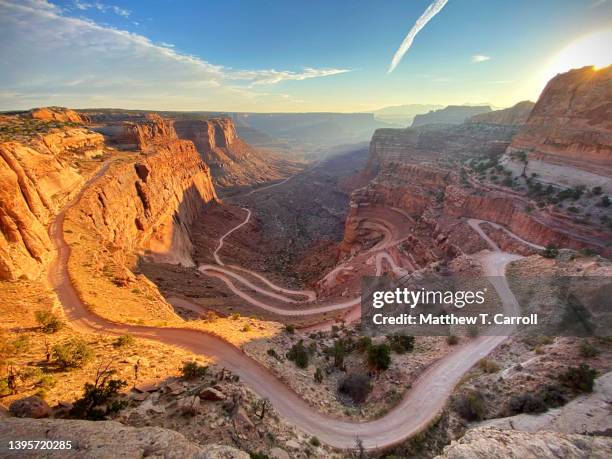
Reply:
x=171, y=228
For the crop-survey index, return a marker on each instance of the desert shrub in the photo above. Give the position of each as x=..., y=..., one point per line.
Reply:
x=379, y=356
x=470, y=406
x=357, y=386
x=49, y=322
x=364, y=343
x=4, y=387
x=100, y=398
x=235, y=316
x=553, y=396
x=298, y=354
x=318, y=376
x=314, y=441
x=246, y=328
x=290, y=329
x=451, y=340
x=596, y=190
x=73, y=353
x=551, y=251
x=579, y=379
x=401, y=344
x=210, y=316
x=193, y=370
x=605, y=201
x=587, y=350
x=473, y=331
x=258, y=455
x=20, y=344
x=526, y=403
x=488, y=366
x=338, y=352
x=124, y=340
x=544, y=340
x=272, y=353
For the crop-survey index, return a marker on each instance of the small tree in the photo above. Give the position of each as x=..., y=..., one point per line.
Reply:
x=49, y=322
x=551, y=251
x=401, y=344
x=470, y=406
x=338, y=352
x=124, y=340
x=379, y=356
x=73, y=353
x=298, y=354
x=100, y=398
x=318, y=376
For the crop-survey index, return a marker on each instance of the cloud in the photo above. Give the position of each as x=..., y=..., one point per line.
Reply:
x=51, y=58
x=427, y=16
x=477, y=58
x=597, y=3
x=83, y=6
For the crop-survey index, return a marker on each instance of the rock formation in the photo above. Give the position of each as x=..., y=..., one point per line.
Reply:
x=233, y=162
x=494, y=443
x=150, y=204
x=453, y=114
x=568, y=136
x=516, y=115
x=104, y=439
x=58, y=114
x=37, y=177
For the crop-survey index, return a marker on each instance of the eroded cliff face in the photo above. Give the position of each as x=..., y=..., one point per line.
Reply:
x=58, y=114
x=568, y=136
x=233, y=162
x=515, y=116
x=149, y=205
x=36, y=179
x=453, y=114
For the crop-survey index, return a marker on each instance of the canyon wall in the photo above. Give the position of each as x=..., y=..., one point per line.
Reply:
x=516, y=115
x=453, y=114
x=36, y=179
x=232, y=161
x=568, y=136
x=149, y=205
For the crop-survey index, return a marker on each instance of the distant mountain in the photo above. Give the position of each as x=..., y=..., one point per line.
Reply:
x=403, y=114
x=514, y=116
x=453, y=114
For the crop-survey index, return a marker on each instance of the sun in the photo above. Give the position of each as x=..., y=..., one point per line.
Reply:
x=593, y=49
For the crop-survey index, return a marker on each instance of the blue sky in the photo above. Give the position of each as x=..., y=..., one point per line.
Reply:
x=282, y=55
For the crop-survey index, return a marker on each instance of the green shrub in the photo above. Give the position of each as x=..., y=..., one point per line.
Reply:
x=48, y=321
x=235, y=316
x=587, y=350
x=357, y=386
x=298, y=354
x=401, y=344
x=318, y=376
x=246, y=328
x=379, y=356
x=551, y=251
x=124, y=340
x=579, y=379
x=272, y=353
x=193, y=370
x=314, y=441
x=364, y=343
x=338, y=352
x=73, y=353
x=526, y=403
x=470, y=406
x=290, y=329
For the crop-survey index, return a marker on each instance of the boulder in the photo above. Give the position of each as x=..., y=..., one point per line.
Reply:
x=30, y=407
x=212, y=394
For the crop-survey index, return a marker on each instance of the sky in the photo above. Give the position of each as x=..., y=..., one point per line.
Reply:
x=289, y=56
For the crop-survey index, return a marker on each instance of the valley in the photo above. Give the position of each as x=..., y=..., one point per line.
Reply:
x=169, y=228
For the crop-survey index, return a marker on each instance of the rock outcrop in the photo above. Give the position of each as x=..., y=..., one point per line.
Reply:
x=105, y=439
x=568, y=136
x=58, y=114
x=498, y=444
x=37, y=177
x=515, y=116
x=233, y=162
x=151, y=204
x=453, y=114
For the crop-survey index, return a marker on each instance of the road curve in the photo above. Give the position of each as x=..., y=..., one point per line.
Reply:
x=417, y=409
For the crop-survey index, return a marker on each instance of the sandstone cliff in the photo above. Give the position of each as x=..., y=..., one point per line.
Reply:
x=233, y=162
x=568, y=136
x=37, y=177
x=453, y=114
x=58, y=114
x=515, y=115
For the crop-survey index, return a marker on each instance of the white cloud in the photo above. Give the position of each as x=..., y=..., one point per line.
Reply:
x=51, y=58
x=480, y=58
x=83, y=6
x=421, y=22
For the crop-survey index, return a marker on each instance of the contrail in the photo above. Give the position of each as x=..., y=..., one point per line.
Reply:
x=429, y=13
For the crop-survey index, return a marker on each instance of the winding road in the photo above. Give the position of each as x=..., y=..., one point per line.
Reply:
x=417, y=409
